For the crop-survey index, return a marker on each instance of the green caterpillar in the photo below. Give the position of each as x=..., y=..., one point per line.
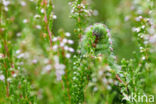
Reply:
x=96, y=42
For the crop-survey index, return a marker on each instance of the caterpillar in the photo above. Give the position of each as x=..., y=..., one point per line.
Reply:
x=96, y=42
x=97, y=38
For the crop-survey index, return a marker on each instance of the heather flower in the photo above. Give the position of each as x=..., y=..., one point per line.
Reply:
x=2, y=78
x=54, y=17
x=59, y=68
x=67, y=34
x=23, y=3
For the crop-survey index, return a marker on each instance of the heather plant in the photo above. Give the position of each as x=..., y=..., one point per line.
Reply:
x=15, y=87
x=77, y=52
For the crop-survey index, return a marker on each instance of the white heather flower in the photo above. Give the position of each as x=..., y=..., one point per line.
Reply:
x=116, y=82
x=72, y=11
x=109, y=87
x=69, y=3
x=95, y=89
x=152, y=39
x=108, y=68
x=66, y=48
x=56, y=59
x=14, y=75
x=143, y=58
x=64, y=40
x=94, y=79
x=108, y=74
x=67, y=34
x=110, y=80
x=70, y=41
x=46, y=69
x=139, y=11
x=132, y=7
x=104, y=80
x=37, y=16
x=137, y=19
x=42, y=10
x=21, y=63
x=38, y=27
x=151, y=30
x=68, y=55
x=25, y=21
x=143, y=26
x=46, y=60
x=55, y=39
x=6, y=3
x=59, y=68
x=135, y=29
x=6, y=8
x=18, y=67
x=18, y=51
x=127, y=18
x=62, y=44
x=1, y=55
x=141, y=48
x=100, y=72
x=23, y=3
x=74, y=78
x=2, y=77
x=95, y=13
x=150, y=12
x=34, y=61
x=9, y=79
x=145, y=42
x=18, y=34
x=20, y=55
x=59, y=73
x=55, y=47
x=2, y=29
x=54, y=17
x=71, y=49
